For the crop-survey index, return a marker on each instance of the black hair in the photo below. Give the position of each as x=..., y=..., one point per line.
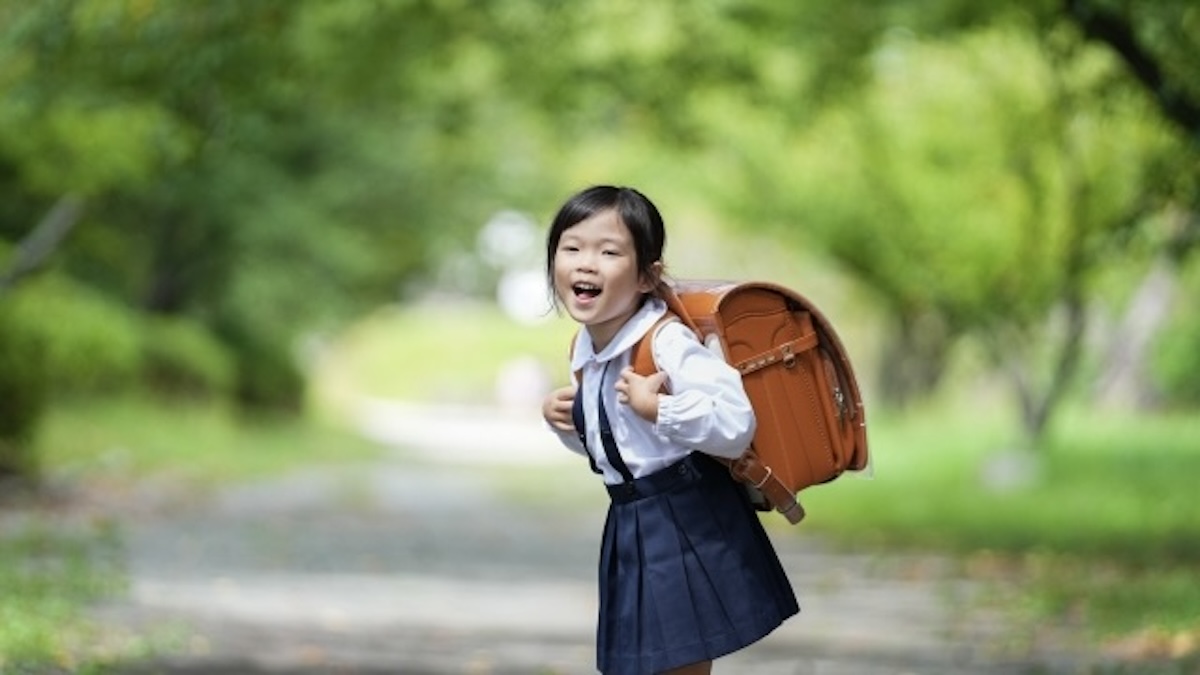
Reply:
x=634, y=209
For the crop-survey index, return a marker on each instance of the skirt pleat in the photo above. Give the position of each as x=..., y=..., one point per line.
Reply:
x=687, y=572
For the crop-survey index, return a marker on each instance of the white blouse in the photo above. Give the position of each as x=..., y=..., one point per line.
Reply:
x=707, y=409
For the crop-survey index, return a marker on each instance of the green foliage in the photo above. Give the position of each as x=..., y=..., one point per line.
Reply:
x=976, y=186
x=268, y=378
x=85, y=150
x=91, y=344
x=182, y=358
x=285, y=163
x=290, y=163
x=955, y=158
x=1177, y=361
x=23, y=384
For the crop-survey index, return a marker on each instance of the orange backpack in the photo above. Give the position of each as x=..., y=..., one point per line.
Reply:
x=811, y=420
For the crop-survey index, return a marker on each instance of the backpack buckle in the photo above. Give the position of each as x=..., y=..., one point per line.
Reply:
x=789, y=359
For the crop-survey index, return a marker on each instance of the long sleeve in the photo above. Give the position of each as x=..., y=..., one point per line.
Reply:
x=570, y=439
x=708, y=409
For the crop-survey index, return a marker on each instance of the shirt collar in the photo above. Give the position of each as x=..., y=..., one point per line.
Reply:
x=634, y=329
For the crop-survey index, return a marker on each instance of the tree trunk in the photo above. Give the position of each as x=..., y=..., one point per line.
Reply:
x=1038, y=404
x=1109, y=27
x=914, y=359
x=42, y=241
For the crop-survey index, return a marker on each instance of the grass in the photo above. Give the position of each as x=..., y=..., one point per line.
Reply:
x=47, y=575
x=1121, y=489
x=1106, y=525
x=449, y=352
x=129, y=439
x=51, y=571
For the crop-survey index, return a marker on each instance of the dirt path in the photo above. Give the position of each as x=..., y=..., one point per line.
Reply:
x=422, y=564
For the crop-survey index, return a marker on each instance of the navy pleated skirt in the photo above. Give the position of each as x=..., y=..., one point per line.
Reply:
x=687, y=572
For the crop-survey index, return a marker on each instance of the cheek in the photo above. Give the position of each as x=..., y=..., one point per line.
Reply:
x=560, y=274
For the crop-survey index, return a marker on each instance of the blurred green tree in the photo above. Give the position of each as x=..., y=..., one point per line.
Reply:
x=262, y=168
x=234, y=169
x=253, y=168
x=974, y=200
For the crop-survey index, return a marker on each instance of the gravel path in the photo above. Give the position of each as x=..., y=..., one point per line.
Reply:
x=425, y=563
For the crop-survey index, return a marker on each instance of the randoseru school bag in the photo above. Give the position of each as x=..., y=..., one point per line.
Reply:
x=812, y=424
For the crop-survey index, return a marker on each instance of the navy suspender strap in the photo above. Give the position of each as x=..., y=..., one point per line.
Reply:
x=577, y=417
x=611, y=452
x=606, y=437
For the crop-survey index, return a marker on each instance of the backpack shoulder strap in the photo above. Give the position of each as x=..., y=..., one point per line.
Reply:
x=642, y=358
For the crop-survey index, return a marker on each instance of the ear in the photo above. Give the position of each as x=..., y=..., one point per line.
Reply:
x=649, y=280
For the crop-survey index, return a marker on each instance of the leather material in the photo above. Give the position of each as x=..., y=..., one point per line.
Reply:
x=797, y=374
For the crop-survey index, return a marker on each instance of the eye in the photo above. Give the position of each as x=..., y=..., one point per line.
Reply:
x=611, y=251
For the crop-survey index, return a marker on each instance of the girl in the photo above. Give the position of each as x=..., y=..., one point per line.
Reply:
x=687, y=573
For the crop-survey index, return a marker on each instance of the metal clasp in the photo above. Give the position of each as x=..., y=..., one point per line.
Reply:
x=789, y=359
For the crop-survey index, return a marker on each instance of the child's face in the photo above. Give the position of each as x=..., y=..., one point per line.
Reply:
x=596, y=275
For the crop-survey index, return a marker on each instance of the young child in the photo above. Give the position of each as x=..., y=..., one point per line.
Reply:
x=687, y=573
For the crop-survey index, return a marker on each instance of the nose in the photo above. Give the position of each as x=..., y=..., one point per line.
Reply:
x=586, y=261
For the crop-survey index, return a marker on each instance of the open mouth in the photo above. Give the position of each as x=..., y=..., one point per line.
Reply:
x=585, y=291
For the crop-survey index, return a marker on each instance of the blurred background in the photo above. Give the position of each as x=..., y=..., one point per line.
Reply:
x=225, y=225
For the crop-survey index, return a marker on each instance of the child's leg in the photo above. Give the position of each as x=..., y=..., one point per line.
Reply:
x=701, y=668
